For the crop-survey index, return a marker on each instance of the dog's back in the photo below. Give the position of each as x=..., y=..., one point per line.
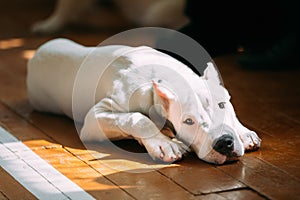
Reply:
x=49, y=71
x=55, y=74
x=63, y=74
x=52, y=73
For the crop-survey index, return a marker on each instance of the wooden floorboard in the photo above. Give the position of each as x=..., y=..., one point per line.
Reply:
x=60, y=158
x=266, y=101
x=201, y=178
x=238, y=194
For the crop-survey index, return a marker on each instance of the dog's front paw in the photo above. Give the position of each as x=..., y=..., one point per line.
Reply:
x=250, y=141
x=164, y=149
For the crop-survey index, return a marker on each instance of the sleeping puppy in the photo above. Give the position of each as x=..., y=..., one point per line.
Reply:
x=120, y=92
x=166, y=13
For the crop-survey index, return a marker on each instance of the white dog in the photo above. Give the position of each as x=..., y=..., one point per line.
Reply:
x=122, y=92
x=166, y=13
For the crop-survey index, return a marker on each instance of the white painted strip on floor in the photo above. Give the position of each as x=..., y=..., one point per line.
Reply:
x=34, y=173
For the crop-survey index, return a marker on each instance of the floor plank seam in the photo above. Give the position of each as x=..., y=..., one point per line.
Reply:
x=219, y=192
x=99, y=173
x=4, y=195
x=259, y=194
x=28, y=164
x=62, y=146
x=247, y=186
x=277, y=168
x=231, y=190
x=28, y=121
x=175, y=182
x=289, y=117
x=48, y=147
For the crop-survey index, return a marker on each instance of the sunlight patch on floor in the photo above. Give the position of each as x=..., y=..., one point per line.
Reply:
x=28, y=54
x=11, y=43
x=122, y=165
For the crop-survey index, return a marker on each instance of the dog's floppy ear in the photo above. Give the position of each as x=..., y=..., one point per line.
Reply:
x=164, y=94
x=211, y=73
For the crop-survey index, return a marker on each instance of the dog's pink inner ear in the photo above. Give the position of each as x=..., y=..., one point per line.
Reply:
x=159, y=91
x=164, y=95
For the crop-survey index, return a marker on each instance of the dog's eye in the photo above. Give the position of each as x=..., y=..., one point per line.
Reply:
x=222, y=105
x=189, y=121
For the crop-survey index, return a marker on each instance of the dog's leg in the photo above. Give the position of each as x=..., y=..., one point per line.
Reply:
x=65, y=12
x=100, y=126
x=249, y=138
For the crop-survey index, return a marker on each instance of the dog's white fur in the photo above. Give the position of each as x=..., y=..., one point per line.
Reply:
x=122, y=92
x=166, y=13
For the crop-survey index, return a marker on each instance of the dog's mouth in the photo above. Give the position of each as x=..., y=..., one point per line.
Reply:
x=219, y=159
x=230, y=159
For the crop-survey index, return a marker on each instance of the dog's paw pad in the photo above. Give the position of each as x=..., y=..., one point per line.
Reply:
x=251, y=141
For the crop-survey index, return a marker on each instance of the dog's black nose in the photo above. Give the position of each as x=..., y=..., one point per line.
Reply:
x=224, y=145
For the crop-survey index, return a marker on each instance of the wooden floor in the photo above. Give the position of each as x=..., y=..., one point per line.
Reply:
x=265, y=101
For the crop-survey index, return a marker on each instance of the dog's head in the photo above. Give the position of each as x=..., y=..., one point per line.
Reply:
x=203, y=117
